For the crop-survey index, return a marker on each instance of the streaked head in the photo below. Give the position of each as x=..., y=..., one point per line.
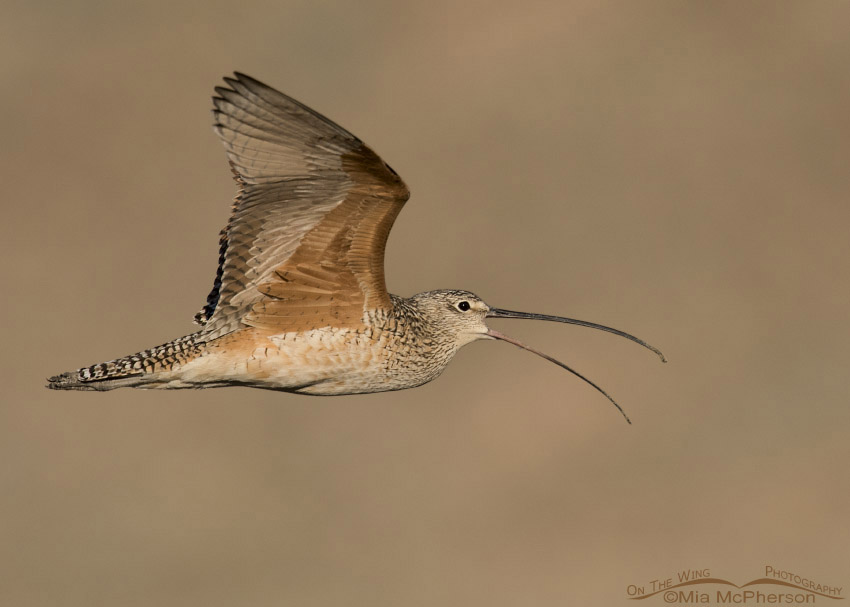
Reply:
x=460, y=315
x=457, y=315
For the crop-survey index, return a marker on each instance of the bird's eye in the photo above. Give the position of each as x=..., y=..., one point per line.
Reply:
x=463, y=306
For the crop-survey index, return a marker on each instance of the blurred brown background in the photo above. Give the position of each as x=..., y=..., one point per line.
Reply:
x=678, y=170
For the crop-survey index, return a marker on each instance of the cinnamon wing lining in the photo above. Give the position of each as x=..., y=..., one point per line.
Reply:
x=304, y=245
x=335, y=273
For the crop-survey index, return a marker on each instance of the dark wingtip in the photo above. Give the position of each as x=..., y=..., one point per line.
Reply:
x=246, y=80
x=243, y=77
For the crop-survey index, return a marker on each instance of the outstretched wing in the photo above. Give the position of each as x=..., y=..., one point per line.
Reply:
x=304, y=247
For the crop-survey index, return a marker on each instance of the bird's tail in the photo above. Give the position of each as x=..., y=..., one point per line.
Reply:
x=136, y=370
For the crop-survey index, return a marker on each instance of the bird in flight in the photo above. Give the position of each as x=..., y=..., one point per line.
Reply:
x=299, y=302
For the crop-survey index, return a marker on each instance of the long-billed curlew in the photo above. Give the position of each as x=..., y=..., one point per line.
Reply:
x=299, y=302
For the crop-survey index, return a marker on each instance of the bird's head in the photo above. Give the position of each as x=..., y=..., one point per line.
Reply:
x=459, y=317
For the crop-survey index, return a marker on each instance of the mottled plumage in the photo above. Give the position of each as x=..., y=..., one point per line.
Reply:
x=299, y=302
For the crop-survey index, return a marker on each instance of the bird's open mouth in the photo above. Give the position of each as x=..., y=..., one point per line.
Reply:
x=499, y=313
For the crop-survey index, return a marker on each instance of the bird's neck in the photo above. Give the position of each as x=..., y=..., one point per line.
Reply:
x=420, y=330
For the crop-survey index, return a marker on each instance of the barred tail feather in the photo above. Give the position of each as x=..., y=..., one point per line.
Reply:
x=135, y=370
x=72, y=380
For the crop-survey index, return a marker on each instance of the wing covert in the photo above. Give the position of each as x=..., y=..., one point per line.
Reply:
x=304, y=246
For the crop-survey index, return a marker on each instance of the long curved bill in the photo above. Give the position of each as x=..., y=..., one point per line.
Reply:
x=498, y=313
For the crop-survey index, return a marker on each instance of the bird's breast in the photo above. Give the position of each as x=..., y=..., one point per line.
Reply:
x=326, y=361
